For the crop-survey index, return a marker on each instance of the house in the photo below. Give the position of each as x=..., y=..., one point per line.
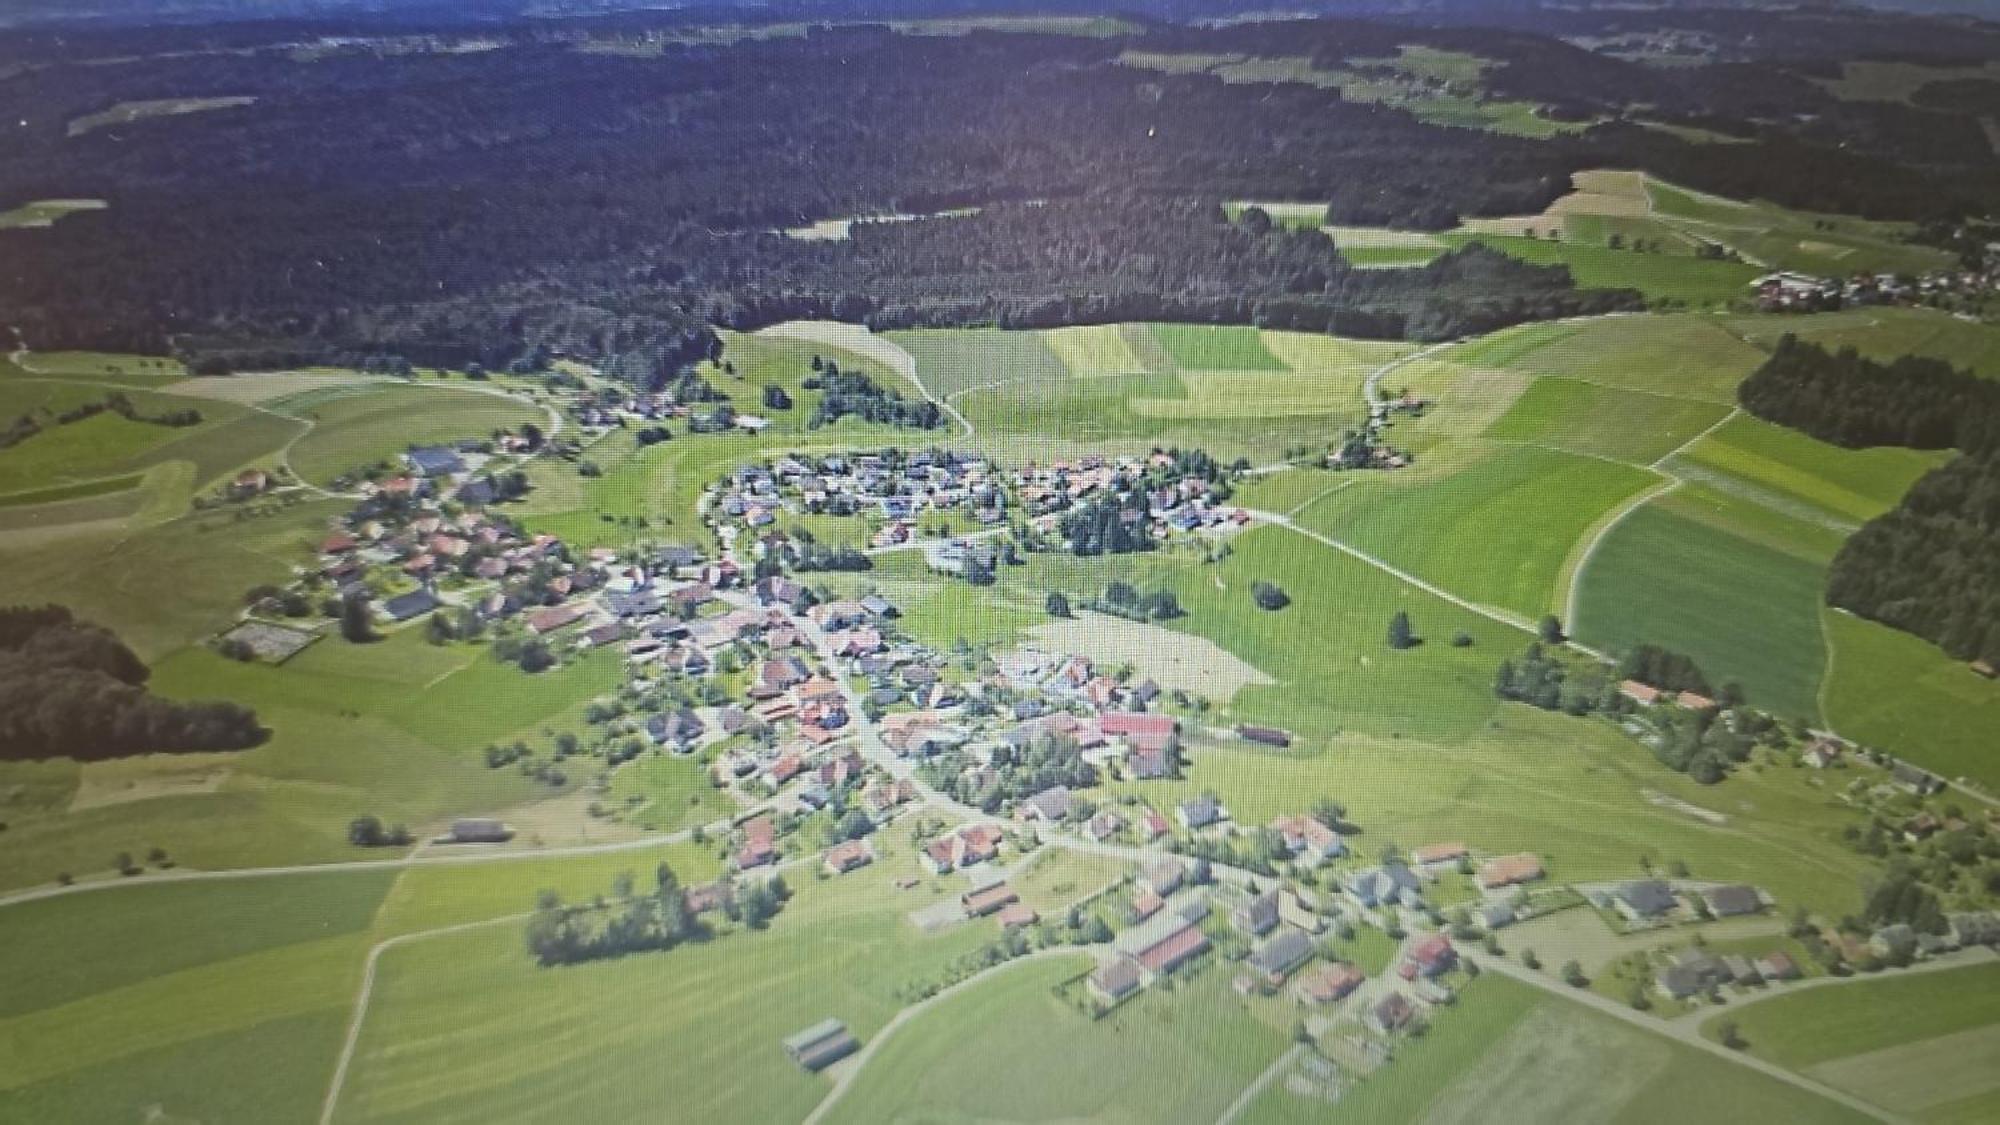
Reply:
x=1510, y=870
x=416, y=603
x=478, y=830
x=1308, y=840
x=682, y=728
x=1103, y=826
x=1152, y=826
x=1691, y=701
x=1921, y=782
x=1740, y=969
x=1276, y=956
x=1645, y=695
x=1163, y=944
x=1433, y=954
x=760, y=844
x=1727, y=902
x=1644, y=899
x=1114, y=980
x=1327, y=984
x=1777, y=965
x=1694, y=971
x=844, y=857
x=1163, y=878
x=1438, y=855
x=1200, y=812
x=1256, y=915
x=1294, y=909
x=434, y=461
x=550, y=618
x=1390, y=1014
x=1389, y=885
x=1015, y=915
x=986, y=900
x=1823, y=753
x=1495, y=915
x=1052, y=805
x=821, y=1045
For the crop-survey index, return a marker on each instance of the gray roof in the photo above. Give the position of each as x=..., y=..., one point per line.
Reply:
x=1648, y=896
x=1282, y=951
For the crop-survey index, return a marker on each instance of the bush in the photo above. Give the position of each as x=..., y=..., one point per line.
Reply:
x=1269, y=595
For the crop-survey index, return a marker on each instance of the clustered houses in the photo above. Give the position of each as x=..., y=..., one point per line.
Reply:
x=1168, y=490
x=609, y=407
x=894, y=488
x=1787, y=291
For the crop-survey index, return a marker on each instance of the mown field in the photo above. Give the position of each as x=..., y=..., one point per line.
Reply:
x=1638, y=427
x=366, y=425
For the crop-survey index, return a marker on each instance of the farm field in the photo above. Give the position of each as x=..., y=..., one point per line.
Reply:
x=1886, y=333
x=368, y=425
x=1496, y=529
x=1852, y=485
x=1746, y=612
x=1900, y=692
x=125, y=113
x=1665, y=280
x=1686, y=356
x=1600, y=421
x=46, y=212
x=1179, y=1056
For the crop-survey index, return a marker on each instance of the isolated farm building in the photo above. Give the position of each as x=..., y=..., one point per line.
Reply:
x=1164, y=944
x=1200, y=812
x=479, y=830
x=434, y=461
x=1115, y=980
x=1438, y=855
x=986, y=900
x=1726, y=902
x=1693, y=701
x=1508, y=870
x=1276, y=956
x=416, y=603
x=1256, y=915
x=1645, y=898
x=1268, y=736
x=1327, y=983
x=821, y=1045
x=844, y=857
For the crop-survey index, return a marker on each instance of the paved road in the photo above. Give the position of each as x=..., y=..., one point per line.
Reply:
x=1684, y=1033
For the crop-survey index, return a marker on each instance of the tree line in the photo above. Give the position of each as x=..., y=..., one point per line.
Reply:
x=72, y=689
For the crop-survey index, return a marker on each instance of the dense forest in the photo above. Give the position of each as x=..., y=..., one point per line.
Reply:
x=403, y=204
x=1927, y=566
x=72, y=689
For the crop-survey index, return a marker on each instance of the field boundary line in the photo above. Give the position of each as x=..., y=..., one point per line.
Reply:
x=368, y=988
x=1579, y=560
x=1690, y=443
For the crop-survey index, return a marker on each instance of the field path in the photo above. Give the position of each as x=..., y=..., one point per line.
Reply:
x=1685, y=1033
x=858, y=339
x=853, y=1069
x=1258, y=1086
x=375, y=953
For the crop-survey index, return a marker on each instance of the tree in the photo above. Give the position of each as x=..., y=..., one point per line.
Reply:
x=1269, y=595
x=1401, y=635
x=1461, y=639
x=357, y=622
x=1057, y=604
x=365, y=832
x=1731, y=1035
x=535, y=656
x=1529, y=959
x=775, y=397
x=1550, y=630
x=1572, y=974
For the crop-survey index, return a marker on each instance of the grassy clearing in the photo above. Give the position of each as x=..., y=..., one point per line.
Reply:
x=1853, y=484
x=1601, y=421
x=1795, y=240
x=1853, y=1017
x=46, y=212
x=663, y=792
x=467, y=1025
x=1163, y=1056
x=1746, y=612
x=1668, y=280
x=378, y=423
x=1900, y=692
x=1496, y=530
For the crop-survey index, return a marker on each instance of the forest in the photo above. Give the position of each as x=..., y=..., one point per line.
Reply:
x=1926, y=566
x=446, y=208
x=69, y=688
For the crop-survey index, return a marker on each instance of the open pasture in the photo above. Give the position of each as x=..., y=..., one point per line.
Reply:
x=353, y=431
x=1664, y=279
x=1496, y=529
x=1851, y=484
x=1817, y=1026
x=1890, y=689
x=1745, y=611
x=1637, y=427
x=1685, y=356
x=46, y=212
x=1885, y=334
x=1215, y=347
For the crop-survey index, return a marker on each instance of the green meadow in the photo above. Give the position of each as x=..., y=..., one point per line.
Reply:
x=1638, y=427
x=1885, y=334
x=1818, y=1025
x=376, y=423
x=1852, y=484
x=1686, y=356
x=1890, y=689
x=1670, y=280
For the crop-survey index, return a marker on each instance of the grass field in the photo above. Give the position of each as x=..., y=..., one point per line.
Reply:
x=1496, y=529
x=467, y=1026
x=1601, y=421
x=1666, y=280
x=1686, y=356
x=125, y=113
x=1885, y=334
x=1854, y=1017
x=1745, y=611
x=354, y=430
x=1890, y=689
x=1205, y=347
x=46, y=212
x=1851, y=484
x=1179, y=1056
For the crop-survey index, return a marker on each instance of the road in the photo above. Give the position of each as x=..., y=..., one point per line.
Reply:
x=1686, y=1033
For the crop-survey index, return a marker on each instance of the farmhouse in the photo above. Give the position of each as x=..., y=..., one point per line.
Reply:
x=1163, y=944
x=986, y=900
x=1509, y=870
x=1328, y=983
x=1727, y=902
x=1308, y=840
x=1431, y=955
x=1389, y=885
x=1115, y=980
x=845, y=857
x=1438, y=855
x=1390, y=1014
x=1822, y=753
x=821, y=1045
x=1256, y=915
